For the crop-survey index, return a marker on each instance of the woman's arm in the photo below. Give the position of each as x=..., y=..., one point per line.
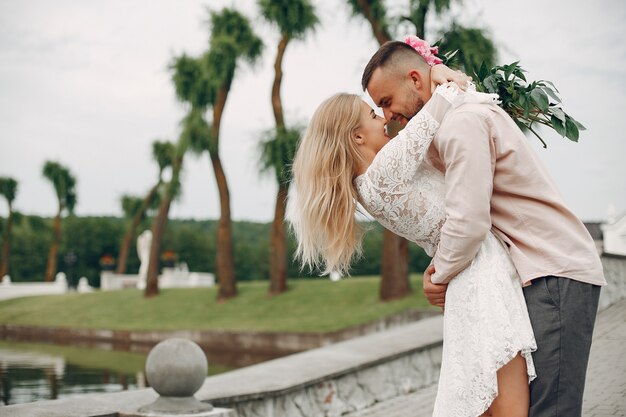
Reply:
x=441, y=74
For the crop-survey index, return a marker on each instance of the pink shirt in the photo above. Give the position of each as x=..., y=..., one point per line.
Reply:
x=495, y=181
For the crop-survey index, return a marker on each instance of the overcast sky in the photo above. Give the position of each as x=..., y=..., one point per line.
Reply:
x=86, y=83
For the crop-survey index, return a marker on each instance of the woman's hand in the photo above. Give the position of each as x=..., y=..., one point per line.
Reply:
x=440, y=74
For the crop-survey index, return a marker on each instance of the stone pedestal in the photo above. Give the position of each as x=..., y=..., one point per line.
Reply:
x=176, y=369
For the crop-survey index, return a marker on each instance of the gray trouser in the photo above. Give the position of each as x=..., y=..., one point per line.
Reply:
x=562, y=313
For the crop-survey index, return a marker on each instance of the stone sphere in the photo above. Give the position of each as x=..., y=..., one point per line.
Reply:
x=176, y=368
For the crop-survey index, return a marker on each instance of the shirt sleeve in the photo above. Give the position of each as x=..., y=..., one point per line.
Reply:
x=466, y=148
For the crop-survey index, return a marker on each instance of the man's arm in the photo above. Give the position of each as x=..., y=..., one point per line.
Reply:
x=464, y=145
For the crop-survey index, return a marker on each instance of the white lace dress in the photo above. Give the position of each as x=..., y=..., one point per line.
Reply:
x=486, y=323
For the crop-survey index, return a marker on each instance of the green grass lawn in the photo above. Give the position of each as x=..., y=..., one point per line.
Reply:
x=310, y=305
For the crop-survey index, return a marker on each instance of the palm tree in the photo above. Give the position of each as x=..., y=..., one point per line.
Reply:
x=135, y=208
x=175, y=153
x=232, y=39
x=375, y=13
x=197, y=90
x=294, y=18
x=202, y=84
x=64, y=186
x=8, y=189
x=277, y=151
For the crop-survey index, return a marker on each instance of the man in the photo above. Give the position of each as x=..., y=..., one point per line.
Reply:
x=495, y=181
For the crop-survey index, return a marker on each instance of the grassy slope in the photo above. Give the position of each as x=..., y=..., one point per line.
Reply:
x=310, y=305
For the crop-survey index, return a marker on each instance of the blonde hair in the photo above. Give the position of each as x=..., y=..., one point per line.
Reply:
x=322, y=212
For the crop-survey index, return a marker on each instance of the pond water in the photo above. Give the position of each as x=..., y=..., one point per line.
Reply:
x=34, y=372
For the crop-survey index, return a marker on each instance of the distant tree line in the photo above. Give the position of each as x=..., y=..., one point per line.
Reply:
x=92, y=239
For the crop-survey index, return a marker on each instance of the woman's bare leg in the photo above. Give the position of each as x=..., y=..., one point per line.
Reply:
x=513, y=394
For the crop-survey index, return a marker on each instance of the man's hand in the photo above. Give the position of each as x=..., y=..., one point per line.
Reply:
x=435, y=293
x=440, y=74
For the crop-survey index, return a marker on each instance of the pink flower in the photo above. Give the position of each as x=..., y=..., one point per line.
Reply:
x=424, y=49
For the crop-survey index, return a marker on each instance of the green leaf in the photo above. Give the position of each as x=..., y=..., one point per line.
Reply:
x=451, y=55
x=491, y=84
x=571, y=131
x=540, y=98
x=553, y=86
x=559, y=113
x=578, y=124
x=509, y=69
x=557, y=125
x=552, y=94
x=483, y=71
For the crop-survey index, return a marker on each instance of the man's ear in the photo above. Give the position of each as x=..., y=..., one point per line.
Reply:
x=416, y=78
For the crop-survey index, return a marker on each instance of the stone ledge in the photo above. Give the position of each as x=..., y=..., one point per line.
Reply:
x=268, y=380
x=294, y=372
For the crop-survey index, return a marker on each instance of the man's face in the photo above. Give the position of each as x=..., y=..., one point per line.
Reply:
x=399, y=96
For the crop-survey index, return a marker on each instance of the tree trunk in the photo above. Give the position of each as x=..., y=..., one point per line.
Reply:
x=225, y=261
x=380, y=33
x=158, y=227
x=278, y=248
x=394, y=283
x=51, y=268
x=122, y=259
x=278, y=235
x=6, y=246
x=277, y=104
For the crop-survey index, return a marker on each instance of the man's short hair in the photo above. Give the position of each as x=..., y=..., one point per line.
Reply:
x=387, y=52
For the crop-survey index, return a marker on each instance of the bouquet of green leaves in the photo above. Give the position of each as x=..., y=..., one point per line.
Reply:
x=529, y=104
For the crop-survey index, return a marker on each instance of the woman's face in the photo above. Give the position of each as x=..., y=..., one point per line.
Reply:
x=371, y=132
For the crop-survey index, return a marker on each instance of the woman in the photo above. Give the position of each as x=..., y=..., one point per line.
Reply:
x=346, y=156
